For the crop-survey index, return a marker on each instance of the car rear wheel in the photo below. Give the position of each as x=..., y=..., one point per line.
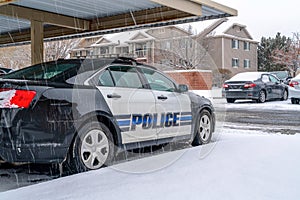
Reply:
x=284, y=95
x=230, y=100
x=203, y=129
x=93, y=148
x=261, y=97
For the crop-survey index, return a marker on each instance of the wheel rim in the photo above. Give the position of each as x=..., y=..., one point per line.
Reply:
x=262, y=96
x=205, y=128
x=94, y=149
x=285, y=95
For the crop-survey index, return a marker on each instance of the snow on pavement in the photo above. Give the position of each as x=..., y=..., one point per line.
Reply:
x=250, y=105
x=238, y=165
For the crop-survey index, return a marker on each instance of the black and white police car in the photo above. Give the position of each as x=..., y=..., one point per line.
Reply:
x=83, y=111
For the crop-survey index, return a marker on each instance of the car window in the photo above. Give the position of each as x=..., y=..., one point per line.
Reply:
x=105, y=79
x=157, y=81
x=43, y=71
x=125, y=76
x=273, y=79
x=265, y=78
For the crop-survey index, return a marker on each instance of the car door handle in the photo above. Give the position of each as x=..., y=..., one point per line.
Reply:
x=113, y=96
x=162, y=97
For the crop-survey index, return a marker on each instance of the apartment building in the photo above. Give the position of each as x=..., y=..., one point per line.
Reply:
x=143, y=45
x=229, y=46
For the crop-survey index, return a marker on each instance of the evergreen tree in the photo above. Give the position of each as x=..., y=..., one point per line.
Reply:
x=267, y=52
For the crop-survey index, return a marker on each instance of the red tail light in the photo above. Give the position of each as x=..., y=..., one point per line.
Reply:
x=249, y=85
x=293, y=83
x=11, y=98
x=225, y=85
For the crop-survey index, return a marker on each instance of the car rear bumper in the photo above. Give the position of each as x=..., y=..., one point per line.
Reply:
x=15, y=150
x=240, y=94
x=40, y=154
x=294, y=93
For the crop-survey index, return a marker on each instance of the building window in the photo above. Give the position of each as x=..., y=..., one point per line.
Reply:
x=246, y=63
x=78, y=53
x=235, y=62
x=166, y=45
x=235, y=44
x=247, y=46
x=104, y=50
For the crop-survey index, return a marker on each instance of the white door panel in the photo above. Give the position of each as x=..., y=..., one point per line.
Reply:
x=174, y=109
x=133, y=109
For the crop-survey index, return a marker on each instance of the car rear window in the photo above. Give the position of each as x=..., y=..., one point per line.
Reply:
x=247, y=76
x=43, y=71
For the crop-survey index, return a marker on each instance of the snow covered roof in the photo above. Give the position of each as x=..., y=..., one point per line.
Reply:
x=123, y=38
x=247, y=76
x=223, y=29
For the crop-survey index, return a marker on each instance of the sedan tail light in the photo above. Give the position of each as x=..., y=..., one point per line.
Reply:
x=225, y=85
x=11, y=98
x=293, y=83
x=249, y=85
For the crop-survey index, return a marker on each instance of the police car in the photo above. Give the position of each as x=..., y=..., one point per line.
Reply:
x=82, y=112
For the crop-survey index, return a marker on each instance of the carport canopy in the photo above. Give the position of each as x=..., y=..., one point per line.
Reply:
x=23, y=21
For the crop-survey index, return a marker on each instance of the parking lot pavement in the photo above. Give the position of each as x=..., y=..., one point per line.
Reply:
x=273, y=116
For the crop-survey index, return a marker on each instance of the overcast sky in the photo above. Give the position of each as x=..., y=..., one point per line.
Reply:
x=266, y=17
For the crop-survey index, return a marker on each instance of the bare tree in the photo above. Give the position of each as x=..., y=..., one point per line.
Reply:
x=184, y=53
x=15, y=57
x=59, y=49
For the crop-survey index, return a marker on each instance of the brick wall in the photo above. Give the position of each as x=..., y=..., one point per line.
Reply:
x=195, y=79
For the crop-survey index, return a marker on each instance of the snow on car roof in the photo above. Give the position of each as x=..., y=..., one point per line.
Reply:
x=247, y=76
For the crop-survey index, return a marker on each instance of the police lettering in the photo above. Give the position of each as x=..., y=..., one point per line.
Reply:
x=148, y=120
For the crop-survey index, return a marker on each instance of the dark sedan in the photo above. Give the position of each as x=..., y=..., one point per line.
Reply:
x=259, y=86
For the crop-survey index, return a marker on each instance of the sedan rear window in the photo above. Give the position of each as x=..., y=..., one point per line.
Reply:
x=43, y=71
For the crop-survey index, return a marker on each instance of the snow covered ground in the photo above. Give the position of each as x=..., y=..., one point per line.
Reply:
x=250, y=105
x=241, y=164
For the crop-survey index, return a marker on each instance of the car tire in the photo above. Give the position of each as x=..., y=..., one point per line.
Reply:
x=230, y=100
x=92, y=149
x=285, y=96
x=293, y=101
x=261, y=97
x=203, y=128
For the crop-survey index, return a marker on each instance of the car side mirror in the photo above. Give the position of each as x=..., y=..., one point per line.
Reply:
x=182, y=88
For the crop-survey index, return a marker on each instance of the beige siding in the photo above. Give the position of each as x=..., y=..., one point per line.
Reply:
x=241, y=54
x=215, y=51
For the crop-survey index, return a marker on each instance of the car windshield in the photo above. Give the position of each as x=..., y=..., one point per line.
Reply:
x=44, y=71
x=247, y=76
x=281, y=75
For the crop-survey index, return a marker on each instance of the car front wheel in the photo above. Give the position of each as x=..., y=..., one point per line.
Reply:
x=204, y=128
x=93, y=148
